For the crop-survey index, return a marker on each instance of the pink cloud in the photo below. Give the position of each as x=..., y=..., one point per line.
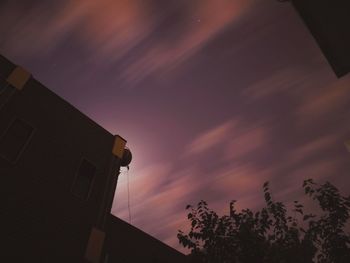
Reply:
x=210, y=138
x=311, y=148
x=282, y=81
x=246, y=141
x=326, y=100
x=110, y=29
x=240, y=182
x=212, y=16
x=106, y=27
x=240, y=179
x=236, y=137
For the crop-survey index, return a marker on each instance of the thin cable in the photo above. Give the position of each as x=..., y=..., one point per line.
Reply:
x=127, y=178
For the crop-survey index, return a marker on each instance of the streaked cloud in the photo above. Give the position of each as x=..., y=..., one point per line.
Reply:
x=235, y=138
x=246, y=141
x=282, y=81
x=211, y=138
x=312, y=148
x=324, y=101
x=109, y=30
x=109, y=27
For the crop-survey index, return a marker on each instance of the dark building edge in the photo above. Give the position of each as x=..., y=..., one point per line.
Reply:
x=136, y=237
x=7, y=67
x=313, y=29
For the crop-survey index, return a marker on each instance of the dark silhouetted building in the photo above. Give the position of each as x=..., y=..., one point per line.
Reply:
x=135, y=245
x=58, y=171
x=329, y=23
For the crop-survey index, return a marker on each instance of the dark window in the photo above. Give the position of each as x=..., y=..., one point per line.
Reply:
x=15, y=138
x=3, y=86
x=6, y=91
x=84, y=179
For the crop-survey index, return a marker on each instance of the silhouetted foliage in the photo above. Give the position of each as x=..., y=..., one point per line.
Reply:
x=271, y=234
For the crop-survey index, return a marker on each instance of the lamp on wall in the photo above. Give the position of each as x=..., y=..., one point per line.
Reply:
x=127, y=157
x=347, y=145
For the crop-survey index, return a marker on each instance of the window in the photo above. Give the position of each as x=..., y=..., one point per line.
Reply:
x=84, y=179
x=15, y=138
x=6, y=92
x=3, y=86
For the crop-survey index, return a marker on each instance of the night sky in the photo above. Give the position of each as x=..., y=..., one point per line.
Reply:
x=214, y=97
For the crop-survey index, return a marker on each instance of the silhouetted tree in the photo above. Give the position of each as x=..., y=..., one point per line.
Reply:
x=271, y=234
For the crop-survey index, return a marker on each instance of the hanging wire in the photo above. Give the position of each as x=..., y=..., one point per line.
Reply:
x=127, y=175
x=126, y=172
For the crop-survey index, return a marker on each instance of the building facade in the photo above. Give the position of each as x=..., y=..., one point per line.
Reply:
x=59, y=172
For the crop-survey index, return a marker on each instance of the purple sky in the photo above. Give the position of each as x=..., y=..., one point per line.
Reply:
x=214, y=96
